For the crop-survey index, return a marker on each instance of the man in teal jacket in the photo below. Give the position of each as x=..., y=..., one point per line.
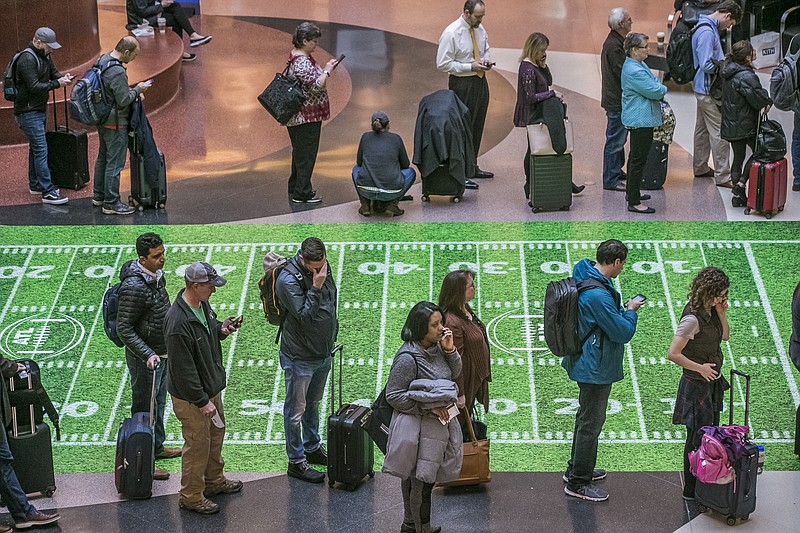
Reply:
x=599, y=365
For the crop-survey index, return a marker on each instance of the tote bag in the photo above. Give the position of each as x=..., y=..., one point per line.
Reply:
x=283, y=97
x=539, y=139
x=475, y=467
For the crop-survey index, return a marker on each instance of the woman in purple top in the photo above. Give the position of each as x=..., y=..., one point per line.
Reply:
x=534, y=86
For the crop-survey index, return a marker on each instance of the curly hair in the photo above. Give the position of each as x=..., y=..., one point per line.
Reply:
x=710, y=283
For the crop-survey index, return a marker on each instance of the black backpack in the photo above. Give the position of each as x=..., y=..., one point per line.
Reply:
x=10, y=78
x=380, y=417
x=770, y=141
x=680, y=58
x=29, y=392
x=561, y=315
x=110, y=310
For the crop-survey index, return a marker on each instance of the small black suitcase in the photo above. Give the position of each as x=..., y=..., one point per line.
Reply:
x=655, y=167
x=738, y=498
x=551, y=182
x=441, y=183
x=135, y=458
x=143, y=195
x=32, y=450
x=350, y=453
x=67, y=152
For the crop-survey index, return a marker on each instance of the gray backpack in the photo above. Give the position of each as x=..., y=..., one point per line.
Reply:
x=784, y=85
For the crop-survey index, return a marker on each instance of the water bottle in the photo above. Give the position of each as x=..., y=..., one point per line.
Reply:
x=760, y=458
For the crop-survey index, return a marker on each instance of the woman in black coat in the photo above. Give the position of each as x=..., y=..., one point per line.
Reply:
x=742, y=99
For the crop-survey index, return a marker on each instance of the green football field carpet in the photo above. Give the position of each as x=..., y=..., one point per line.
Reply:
x=52, y=281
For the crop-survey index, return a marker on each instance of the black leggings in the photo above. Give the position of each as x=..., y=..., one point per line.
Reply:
x=416, y=502
x=176, y=19
x=739, y=151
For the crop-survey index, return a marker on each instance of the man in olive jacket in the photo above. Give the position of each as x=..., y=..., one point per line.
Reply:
x=143, y=304
x=195, y=379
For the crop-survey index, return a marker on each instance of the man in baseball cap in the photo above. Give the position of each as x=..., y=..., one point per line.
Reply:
x=195, y=380
x=48, y=37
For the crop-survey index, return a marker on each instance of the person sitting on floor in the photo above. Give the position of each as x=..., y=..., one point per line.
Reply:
x=382, y=174
x=151, y=10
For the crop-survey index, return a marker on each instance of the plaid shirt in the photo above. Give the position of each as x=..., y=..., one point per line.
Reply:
x=317, y=107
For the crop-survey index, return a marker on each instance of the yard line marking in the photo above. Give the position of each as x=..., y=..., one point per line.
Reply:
x=531, y=376
x=773, y=326
x=89, y=337
x=242, y=300
x=107, y=432
x=16, y=285
x=667, y=294
x=430, y=274
x=61, y=286
x=382, y=337
x=477, y=280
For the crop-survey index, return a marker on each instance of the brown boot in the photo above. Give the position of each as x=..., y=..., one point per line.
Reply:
x=159, y=474
x=365, y=208
x=394, y=209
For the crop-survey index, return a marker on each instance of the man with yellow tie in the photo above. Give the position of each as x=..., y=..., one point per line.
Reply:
x=464, y=55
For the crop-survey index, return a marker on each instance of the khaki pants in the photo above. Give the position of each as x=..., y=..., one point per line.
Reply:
x=707, y=140
x=201, y=461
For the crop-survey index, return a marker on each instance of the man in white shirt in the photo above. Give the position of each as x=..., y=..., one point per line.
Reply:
x=464, y=55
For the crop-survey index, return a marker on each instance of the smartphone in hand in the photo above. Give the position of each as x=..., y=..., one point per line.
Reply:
x=639, y=299
x=237, y=322
x=339, y=60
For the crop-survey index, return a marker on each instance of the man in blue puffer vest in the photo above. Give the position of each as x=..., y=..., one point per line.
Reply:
x=599, y=365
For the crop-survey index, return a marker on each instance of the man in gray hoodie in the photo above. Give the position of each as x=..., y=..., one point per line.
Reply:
x=113, y=133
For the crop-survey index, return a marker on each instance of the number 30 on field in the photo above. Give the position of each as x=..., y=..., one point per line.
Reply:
x=399, y=268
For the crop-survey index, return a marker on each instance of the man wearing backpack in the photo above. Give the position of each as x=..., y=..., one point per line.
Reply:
x=309, y=332
x=35, y=76
x=707, y=54
x=113, y=132
x=143, y=304
x=599, y=365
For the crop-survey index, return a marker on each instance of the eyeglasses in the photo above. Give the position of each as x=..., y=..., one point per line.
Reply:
x=642, y=47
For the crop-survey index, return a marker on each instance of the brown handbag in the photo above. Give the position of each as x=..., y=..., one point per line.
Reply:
x=475, y=468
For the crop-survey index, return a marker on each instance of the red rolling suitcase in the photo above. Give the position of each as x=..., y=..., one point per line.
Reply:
x=766, y=187
x=350, y=453
x=67, y=152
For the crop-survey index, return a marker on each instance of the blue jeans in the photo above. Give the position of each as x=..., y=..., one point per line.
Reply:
x=409, y=176
x=110, y=160
x=13, y=495
x=796, y=148
x=614, y=150
x=33, y=125
x=591, y=416
x=142, y=387
x=305, y=385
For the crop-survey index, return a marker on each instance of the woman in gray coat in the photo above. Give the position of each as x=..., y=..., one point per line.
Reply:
x=427, y=354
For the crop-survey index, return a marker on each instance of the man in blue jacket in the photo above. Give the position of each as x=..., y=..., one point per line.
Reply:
x=599, y=365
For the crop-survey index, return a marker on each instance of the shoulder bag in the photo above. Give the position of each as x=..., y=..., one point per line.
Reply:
x=475, y=467
x=283, y=97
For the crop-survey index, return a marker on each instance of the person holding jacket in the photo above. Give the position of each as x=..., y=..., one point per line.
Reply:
x=306, y=288
x=696, y=348
x=425, y=445
x=743, y=98
x=534, y=86
x=600, y=363
x=195, y=380
x=113, y=132
x=641, y=112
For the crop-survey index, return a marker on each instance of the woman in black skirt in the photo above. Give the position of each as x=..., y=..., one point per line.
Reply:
x=696, y=348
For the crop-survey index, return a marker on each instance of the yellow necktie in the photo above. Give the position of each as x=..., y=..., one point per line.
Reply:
x=476, y=54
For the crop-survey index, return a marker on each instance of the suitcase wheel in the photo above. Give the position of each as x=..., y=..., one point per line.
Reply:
x=141, y=208
x=747, y=211
x=731, y=521
x=565, y=208
x=768, y=215
x=701, y=508
x=371, y=474
x=49, y=492
x=780, y=208
x=162, y=205
x=536, y=210
x=425, y=198
x=330, y=483
x=456, y=199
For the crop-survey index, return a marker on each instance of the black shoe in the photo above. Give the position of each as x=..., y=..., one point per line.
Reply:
x=305, y=473
x=469, y=184
x=200, y=41
x=482, y=174
x=597, y=475
x=619, y=187
x=313, y=200
x=577, y=189
x=188, y=58
x=644, y=196
x=643, y=210
x=709, y=174
x=623, y=176
x=318, y=457
x=796, y=187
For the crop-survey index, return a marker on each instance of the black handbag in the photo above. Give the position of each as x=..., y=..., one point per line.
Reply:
x=283, y=97
x=770, y=141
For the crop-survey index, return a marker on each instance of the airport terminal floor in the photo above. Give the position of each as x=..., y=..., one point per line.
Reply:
x=228, y=163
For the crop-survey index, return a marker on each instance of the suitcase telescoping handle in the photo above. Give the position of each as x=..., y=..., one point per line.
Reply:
x=66, y=110
x=746, y=377
x=153, y=396
x=14, y=420
x=339, y=348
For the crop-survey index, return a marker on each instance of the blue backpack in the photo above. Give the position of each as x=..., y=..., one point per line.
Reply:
x=89, y=102
x=110, y=310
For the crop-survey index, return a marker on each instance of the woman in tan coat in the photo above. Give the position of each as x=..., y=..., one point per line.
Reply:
x=469, y=337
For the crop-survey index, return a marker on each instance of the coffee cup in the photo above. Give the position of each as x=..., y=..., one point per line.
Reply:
x=162, y=24
x=660, y=38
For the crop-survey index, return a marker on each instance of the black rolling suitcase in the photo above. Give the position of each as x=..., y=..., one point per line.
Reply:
x=655, y=167
x=143, y=194
x=441, y=183
x=67, y=152
x=738, y=498
x=350, y=452
x=135, y=459
x=29, y=437
x=551, y=182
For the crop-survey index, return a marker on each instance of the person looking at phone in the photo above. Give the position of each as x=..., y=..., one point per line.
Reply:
x=425, y=445
x=195, y=379
x=113, y=133
x=696, y=348
x=599, y=364
x=305, y=126
x=306, y=289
